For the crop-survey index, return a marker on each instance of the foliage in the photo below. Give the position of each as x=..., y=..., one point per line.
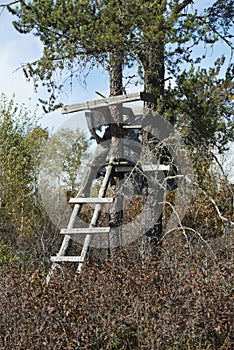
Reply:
x=180, y=301
x=65, y=154
x=61, y=170
x=79, y=35
x=200, y=107
x=6, y=255
x=202, y=215
x=25, y=225
x=159, y=37
x=21, y=142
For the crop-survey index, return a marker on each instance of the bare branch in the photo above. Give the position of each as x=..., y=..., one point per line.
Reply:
x=218, y=162
x=214, y=204
x=185, y=228
x=181, y=227
x=183, y=5
x=10, y=4
x=228, y=42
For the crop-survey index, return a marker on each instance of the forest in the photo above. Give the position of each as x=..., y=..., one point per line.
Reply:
x=176, y=293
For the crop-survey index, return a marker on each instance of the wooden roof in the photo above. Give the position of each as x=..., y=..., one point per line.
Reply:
x=105, y=102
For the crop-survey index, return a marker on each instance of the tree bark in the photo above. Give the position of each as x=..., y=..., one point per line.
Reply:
x=154, y=80
x=154, y=77
x=116, y=209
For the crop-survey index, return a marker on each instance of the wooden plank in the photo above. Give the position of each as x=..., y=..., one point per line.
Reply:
x=85, y=230
x=145, y=96
x=65, y=258
x=87, y=200
x=132, y=126
x=155, y=167
x=104, y=102
x=122, y=163
x=123, y=167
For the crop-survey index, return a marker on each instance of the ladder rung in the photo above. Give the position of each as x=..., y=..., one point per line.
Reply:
x=66, y=258
x=86, y=230
x=80, y=200
x=132, y=126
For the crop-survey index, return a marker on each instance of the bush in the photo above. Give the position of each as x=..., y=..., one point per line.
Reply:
x=6, y=255
x=179, y=301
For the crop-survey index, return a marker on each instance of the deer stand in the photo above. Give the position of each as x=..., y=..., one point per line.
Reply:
x=107, y=163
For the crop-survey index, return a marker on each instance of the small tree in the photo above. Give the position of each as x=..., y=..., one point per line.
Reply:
x=21, y=145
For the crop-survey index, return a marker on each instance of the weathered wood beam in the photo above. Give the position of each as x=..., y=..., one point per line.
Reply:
x=85, y=230
x=105, y=102
x=132, y=126
x=123, y=166
x=87, y=200
x=147, y=167
x=73, y=259
x=155, y=167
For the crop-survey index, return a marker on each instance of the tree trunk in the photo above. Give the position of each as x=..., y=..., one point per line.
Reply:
x=154, y=78
x=152, y=57
x=116, y=211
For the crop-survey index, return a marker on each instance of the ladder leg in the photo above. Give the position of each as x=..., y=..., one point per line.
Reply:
x=96, y=215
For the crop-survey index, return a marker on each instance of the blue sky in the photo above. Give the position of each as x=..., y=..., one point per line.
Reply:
x=18, y=49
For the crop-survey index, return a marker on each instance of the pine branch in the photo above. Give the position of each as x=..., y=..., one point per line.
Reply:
x=10, y=4
x=183, y=5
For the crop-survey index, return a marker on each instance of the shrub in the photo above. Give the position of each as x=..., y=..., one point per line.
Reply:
x=182, y=300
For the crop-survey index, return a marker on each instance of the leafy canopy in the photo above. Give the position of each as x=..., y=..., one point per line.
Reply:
x=78, y=35
x=158, y=36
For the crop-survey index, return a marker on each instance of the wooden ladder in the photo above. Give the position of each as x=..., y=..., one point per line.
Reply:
x=70, y=231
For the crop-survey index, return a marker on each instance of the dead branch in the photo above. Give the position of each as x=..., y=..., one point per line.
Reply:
x=214, y=204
